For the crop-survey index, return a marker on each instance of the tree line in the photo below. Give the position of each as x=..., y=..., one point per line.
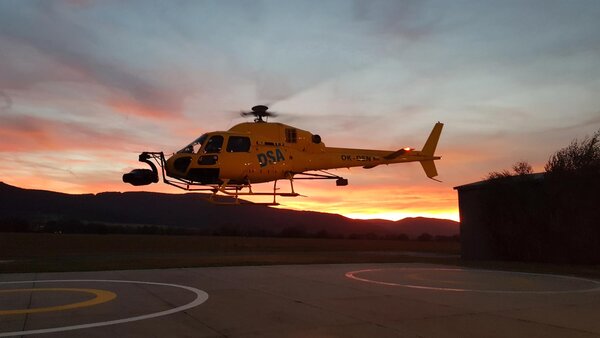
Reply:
x=552, y=217
x=75, y=226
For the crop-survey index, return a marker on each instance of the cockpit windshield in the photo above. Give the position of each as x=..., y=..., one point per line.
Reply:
x=195, y=146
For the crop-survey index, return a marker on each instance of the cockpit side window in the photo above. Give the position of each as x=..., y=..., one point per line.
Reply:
x=195, y=146
x=214, y=144
x=238, y=144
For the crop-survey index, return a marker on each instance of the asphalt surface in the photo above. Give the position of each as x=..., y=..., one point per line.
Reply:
x=353, y=300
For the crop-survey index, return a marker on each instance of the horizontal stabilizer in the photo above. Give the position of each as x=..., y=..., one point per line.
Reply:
x=397, y=153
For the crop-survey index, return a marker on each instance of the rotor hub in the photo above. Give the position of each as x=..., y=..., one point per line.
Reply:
x=259, y=112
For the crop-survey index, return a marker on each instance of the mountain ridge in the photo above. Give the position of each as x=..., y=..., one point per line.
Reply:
x=193, y=211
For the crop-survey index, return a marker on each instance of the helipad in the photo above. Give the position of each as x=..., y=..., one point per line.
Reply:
x=358, y=300
x=477, y=281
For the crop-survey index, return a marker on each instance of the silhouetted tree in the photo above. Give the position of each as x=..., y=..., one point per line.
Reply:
x=369, y=235
x=573, y=185
x=403, y=237
x=579, y=158
x=554, y=218
x=294, y=231
x=441, y=238
x=425, y=237
x=14, y=225
x=522, y=168
x=323, y=234
x=494, y=175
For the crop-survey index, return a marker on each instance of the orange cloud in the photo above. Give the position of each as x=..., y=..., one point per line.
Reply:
x=29, y=134
x=129, y=106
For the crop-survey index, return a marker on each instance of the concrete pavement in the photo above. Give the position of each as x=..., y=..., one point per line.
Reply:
x=355, y=300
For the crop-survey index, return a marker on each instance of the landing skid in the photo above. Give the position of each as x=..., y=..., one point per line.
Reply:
x=226, y=189
x=234, y=190
x=321, y=175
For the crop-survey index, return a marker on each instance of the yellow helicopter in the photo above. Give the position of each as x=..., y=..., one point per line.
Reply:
x=230, y=162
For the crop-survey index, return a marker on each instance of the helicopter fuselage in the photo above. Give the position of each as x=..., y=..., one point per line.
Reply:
x=229, y=162
x=262, y=152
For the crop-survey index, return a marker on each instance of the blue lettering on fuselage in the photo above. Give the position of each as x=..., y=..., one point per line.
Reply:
x=269, y=157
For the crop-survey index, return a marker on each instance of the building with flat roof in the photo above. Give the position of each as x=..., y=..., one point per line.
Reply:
x=529, y=218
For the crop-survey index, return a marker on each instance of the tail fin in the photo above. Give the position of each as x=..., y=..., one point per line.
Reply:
x=432, y=140
x=429, y=168
x=429, y=150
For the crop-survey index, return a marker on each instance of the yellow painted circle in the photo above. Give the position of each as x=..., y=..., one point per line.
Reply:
x=102, y=296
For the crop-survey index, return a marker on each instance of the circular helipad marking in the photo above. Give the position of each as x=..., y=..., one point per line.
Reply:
x=595, y=284
x=102, y=296
x=201, y=297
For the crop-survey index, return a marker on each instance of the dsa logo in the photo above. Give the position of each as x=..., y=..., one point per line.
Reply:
x=269, y=157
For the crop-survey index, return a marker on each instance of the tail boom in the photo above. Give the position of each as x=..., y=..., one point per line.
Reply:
x=332, y=158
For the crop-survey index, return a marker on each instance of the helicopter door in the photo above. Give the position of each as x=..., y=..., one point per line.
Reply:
x=234, y=164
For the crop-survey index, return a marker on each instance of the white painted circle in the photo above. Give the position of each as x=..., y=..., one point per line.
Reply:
x=595, y=288
x=201, y=297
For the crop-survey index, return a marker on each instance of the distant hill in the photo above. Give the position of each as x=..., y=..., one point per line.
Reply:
x=195, y=212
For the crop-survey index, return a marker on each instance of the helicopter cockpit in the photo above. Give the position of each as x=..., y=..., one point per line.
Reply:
x=195, y=146
x=213, y=143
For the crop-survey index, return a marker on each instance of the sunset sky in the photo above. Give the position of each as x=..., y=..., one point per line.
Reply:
x=85, y=86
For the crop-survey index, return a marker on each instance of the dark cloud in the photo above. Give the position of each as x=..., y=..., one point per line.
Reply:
x=588, y=122
x=84, y=53
x=288, y=48
x=284, y=49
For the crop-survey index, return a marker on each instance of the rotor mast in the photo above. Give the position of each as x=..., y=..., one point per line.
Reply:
x=259, y=112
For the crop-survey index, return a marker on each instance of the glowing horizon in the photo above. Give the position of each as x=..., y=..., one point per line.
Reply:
x=286, y=203
x=79, y=100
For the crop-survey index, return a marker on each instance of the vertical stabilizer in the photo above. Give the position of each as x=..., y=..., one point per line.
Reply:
x=429, y=151
x=432, y=141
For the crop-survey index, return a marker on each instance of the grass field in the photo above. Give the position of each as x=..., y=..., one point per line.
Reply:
x=37, y=252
